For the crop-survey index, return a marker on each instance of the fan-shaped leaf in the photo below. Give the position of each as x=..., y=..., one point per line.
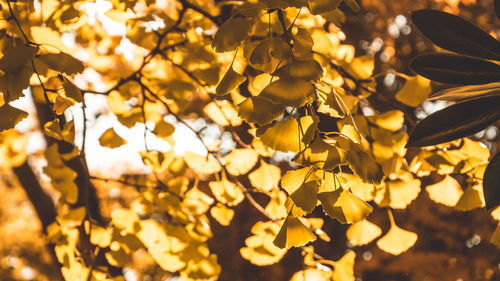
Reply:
x=259, y=110
x=230, y=34
x=456, y=121
x=293, y=233
x=289, y=92
x=10, y=117
x=455, y=34
x=229, y=82
x=62, y=62
x=301, y=69
x=456, y=69
x=491, y=183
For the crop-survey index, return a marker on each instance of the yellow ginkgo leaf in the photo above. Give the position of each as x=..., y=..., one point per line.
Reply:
x=111, y=139
x=288, y=135
x=223, y=113
x=344, y=268
x=495, y=238
x=229, y=82
x=358, y=187
x=202, y=164
x=303, y=43
x=163, y=129
x=53, y=129
x=260, y=249
x=226, y=192
x=397, y=240
x=446, y=192
x=496, y=213
x=294, y=179
x=293, y=233
x=241, y=160
x=390, y=120
x=361, y=67
x=222, y=214
x=472, y=198
x=72, y=218
x=311, y=274
x=344, y=206
x=276, y=206
x=196, y=202
x=321, y=155
x=415, y=90
x=402, y=192
x=125, y=219
x=362, y=233
x=300, y=69
x=10, y=116
x=100, y=236
x=259, y=110
x=266, y=177
x=330, y=104
x=230, y=34
x=288, y=91
x=306, y=196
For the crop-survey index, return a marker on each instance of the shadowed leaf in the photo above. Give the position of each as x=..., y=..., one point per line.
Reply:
x=230, y=34
x=456, y=121
x=491, y=183
x=468, y=92
x=455, y=34
x=456, y=69
x=10, y=117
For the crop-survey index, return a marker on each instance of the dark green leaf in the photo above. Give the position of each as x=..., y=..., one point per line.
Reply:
x=468, y=92
x=491, y=183
x=455, y=34
x=456, y=121
x=456, y=69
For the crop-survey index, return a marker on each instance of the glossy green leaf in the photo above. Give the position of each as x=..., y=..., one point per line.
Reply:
x=456, y=121
x=455, y=34
x=456, y=69
x=491, y=183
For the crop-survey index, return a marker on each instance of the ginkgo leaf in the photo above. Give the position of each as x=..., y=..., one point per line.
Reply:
x=53, y=129
x=363, y=164
x=72, y=91
x=402, y=192
x=230, y=34
x=495, y=237
x=288, y=91
x=196, y=202
x=362, y=233
x=344, y=268
x=226, y=192
x=415, y=91
x=240, y=161
x=10, y=117
x=491, y=183
x=204, y=165
x=222, y=214
x=305, y=197
x=358, y=187
x=472, y=198
x=72, y=218
x=100, y=236
x=223, y=113
x=266, y=177
x=229, y=82
x=293, y=233
x=311, y=274
x=288, y=135
x=62, y=62
x=321, y=6
x=344, y=206
x=456, y=34
x=303, y=43
x=259, y=110
x=397, y=240
x=260, y=249
x=300, y=69
x=391, y=120
x=446, y=192
x=293, y=179
x=456, y=69
x=321, y=155
x=111, y=139
x=456, y=121
x=163, y=129
x=361, y=67
x=276, y=206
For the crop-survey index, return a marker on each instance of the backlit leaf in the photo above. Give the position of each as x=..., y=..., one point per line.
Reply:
x=344, y=206
x=495, y=237
x=472, y=198
x=62, y=62
x=311, y=274
x=259, y=110
x=288, y=135
x=305, y=197
x=402, y=192
x=456, y=69
x=111, y=139
x=390, y=120
x=222, y=214
x=322, y=6
x=300, y=69
x=230, y=34
x=456, y=121
x=288, y=91
x=397, y=240
x=293, y=233
x=240, y=161
x=226, y=192
x=415, y=91
x=344, y=268
x=229, y=82
x=456, y=34
x=321, y=155
x=266, y=177
x=446, y=192
x=53, y=129
x=362, y=233
x=201, y=164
